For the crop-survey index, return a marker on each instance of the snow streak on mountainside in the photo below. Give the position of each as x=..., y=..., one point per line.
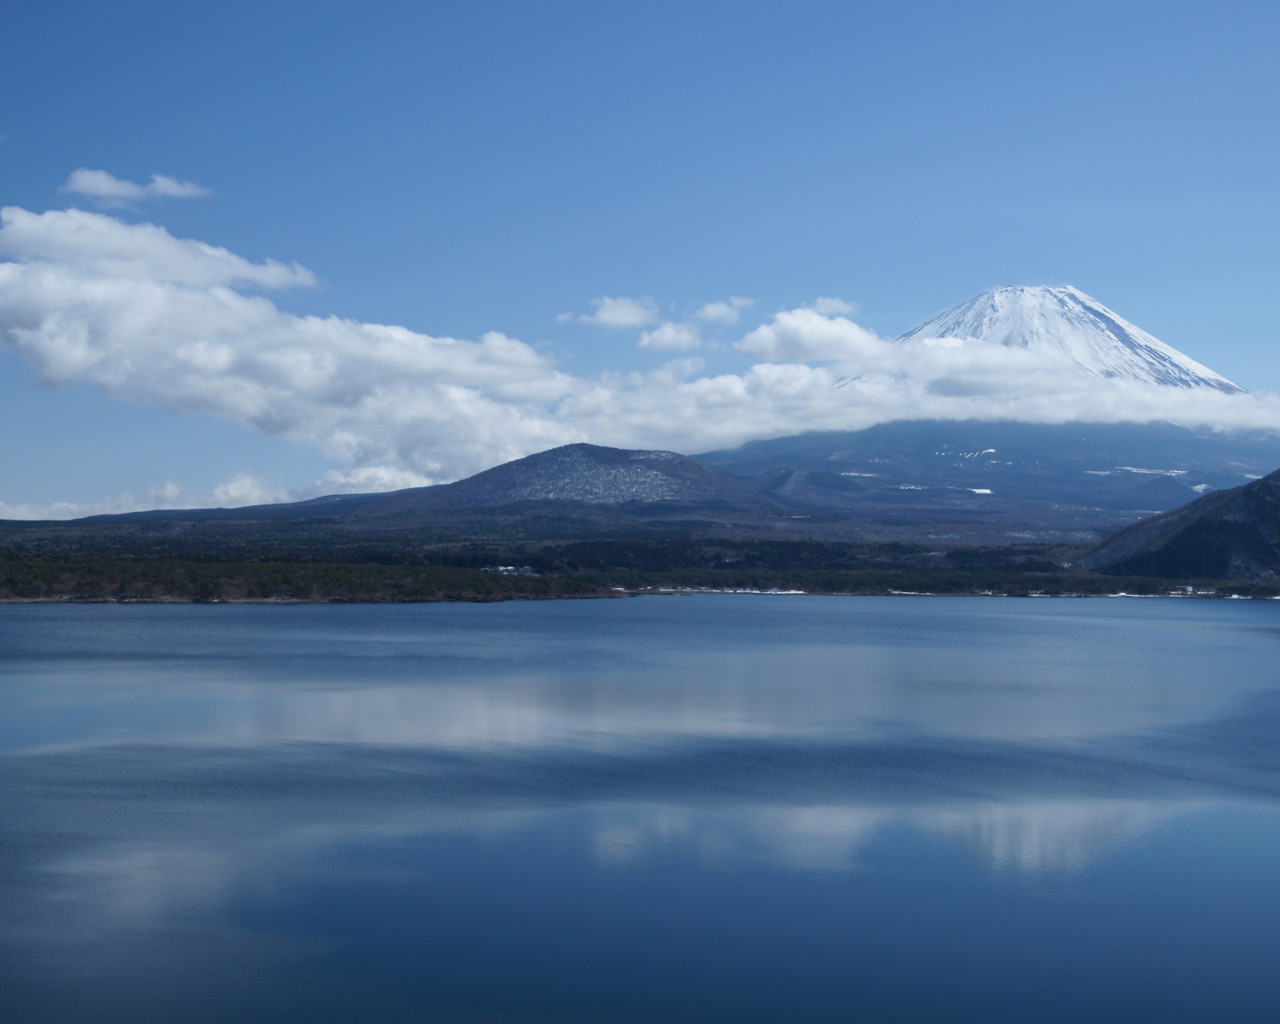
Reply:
x=1099, y=341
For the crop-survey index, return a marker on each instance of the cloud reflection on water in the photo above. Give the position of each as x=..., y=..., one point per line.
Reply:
x=135, y=853
x=182, y=792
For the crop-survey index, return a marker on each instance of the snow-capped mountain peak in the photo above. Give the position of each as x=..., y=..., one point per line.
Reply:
x=1099, y=341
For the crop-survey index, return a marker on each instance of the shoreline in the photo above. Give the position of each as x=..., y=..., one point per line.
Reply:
x=622, y=593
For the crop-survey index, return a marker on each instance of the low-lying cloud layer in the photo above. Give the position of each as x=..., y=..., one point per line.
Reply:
x=184, y=325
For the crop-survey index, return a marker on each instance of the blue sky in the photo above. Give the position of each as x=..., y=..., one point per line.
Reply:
x=453, y=170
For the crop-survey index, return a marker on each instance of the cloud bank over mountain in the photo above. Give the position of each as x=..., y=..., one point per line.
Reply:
x=151, y=318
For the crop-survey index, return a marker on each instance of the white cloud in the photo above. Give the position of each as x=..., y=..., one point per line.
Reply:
x=725, y=312
x=244, y=488
x=875, y=381
x=800, y=335
x=660, y=410
x=98, y=247
x=621, y=312
x=105, y=186
x=670, y=337
x=681, y=369
x=370, y=480
x=833, y=307
x=149, y=318
x=26, y=510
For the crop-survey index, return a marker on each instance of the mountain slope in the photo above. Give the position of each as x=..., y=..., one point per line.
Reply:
x=585, y=474
x=1233, y=534
x=1066, y=321
x=579, y=486
x=1000, y=481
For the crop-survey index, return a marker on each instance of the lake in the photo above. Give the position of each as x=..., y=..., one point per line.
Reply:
x=704, y=808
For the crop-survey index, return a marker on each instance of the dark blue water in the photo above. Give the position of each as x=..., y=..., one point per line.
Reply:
x=684, y=809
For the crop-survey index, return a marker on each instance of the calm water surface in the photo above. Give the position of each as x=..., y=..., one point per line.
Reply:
x=677, y=809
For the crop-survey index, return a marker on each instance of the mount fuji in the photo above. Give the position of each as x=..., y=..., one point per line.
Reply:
x=1000, y=480
x=1066, y=321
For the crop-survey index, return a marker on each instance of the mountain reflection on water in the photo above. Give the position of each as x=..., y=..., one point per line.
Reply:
x=204, y=797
